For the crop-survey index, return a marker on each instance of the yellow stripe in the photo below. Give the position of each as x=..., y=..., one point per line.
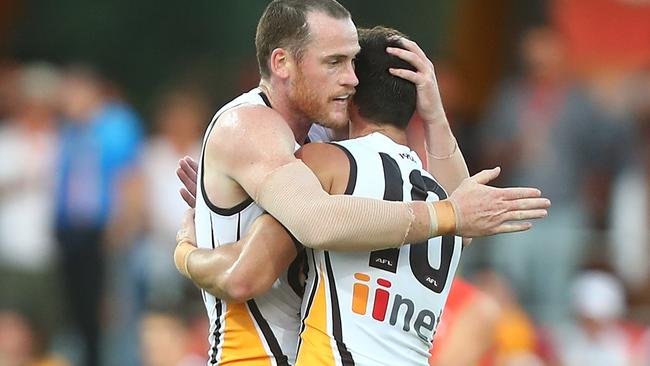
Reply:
x=242, y=345
x=316, y=348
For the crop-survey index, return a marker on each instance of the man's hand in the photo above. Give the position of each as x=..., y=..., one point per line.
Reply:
x=187, y=173
x=429, y=102
x=444, y=159
x=483, y=210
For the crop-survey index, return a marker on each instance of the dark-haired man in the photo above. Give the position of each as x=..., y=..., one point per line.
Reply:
x=341, y=324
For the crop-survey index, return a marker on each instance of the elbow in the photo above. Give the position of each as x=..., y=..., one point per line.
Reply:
x=233, y=289
x=238, y=293
x=238, y=289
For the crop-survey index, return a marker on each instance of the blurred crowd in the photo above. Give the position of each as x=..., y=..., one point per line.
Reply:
x=89, y=208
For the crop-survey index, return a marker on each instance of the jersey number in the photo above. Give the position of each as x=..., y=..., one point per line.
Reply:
x=434, y=279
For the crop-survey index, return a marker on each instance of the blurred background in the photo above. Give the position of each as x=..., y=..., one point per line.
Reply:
x=99, y=100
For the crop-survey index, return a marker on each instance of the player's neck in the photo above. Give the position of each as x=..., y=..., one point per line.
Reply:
x=298, y=123
x=362, y=127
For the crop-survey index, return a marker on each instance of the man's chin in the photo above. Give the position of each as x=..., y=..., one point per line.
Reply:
x=335, y=122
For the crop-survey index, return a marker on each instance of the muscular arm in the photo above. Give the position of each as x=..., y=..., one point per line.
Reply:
x=247, y=268
x=265, y=167
x=242, y=270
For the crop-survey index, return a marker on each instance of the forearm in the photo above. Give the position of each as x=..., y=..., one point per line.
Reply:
x=245, y=269
x=445, y=160
x=292, y=194
x=209, y=269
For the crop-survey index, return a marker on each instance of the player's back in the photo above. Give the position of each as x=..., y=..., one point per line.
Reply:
x=382, y=307
x=261, y=331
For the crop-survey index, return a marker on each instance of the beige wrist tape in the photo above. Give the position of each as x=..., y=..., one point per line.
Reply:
x=294, y=196
x=181, y=255
x=443, y=218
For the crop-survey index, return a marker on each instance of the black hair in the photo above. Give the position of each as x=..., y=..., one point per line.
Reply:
x=381, y=96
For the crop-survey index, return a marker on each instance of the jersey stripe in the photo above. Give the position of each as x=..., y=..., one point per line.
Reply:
x=261, y=323
x=386, y=259
x=265, y=99
x=312, y=294
x=238, y=226
x=393, y=188
x=216, y=334
x=280, y=358
x=346, y=356
x=240, y=345
x=316, y=334
x=217, y=307
x=212, y=232
x=293, y=273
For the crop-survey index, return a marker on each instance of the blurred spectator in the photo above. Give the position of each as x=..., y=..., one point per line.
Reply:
x=599, y=336
x=466, y=331
x=165, y=340
x=27, y=165
x=20, y=344
x=100, y=143
x=630, y=214
x=545, y=132
x=141, y=268
x=516, y=339
x=180, y=118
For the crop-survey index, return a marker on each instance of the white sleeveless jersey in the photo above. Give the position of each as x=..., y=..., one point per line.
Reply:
x=262, y=331
x=381, y=307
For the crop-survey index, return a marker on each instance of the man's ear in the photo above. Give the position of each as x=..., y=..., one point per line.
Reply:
x=281, y=63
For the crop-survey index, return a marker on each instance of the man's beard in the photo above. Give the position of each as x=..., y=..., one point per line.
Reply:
x=305, y=100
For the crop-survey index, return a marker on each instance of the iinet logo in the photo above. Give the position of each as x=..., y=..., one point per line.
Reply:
x=425, y=321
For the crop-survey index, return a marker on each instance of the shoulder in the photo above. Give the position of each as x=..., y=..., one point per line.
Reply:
x=251, y=123
x=330, y=164
x=249, y=137
x=318, y=155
